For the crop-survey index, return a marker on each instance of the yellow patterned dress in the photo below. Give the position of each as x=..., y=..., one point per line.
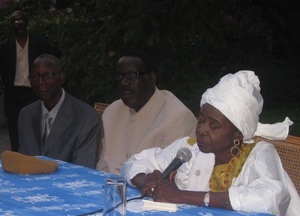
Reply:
x=223, y=174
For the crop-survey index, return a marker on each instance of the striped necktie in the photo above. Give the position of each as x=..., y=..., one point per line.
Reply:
x=48, y=125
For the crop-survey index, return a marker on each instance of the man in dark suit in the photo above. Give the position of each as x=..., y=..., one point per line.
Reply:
x=16, y=57
x=58, y=125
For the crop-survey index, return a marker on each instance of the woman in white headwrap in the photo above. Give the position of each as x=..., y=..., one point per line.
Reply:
x=228, y=169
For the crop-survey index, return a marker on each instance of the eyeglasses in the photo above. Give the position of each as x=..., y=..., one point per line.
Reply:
x=129, y=75
x=17, y=21
x=44, y=76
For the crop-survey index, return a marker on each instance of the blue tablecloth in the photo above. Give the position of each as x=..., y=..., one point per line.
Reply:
x=72, y=190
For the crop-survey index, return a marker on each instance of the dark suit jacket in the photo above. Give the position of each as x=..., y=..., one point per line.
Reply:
x=74, y=136
x=36, y=46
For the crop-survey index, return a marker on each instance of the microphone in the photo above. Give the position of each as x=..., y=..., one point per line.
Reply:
x=183, y=155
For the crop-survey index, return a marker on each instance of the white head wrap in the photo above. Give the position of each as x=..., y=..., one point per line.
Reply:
x=237, y=96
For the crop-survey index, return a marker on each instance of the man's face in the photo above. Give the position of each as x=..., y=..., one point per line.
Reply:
x=19, y=23
x=46, y=80
x=135, y=91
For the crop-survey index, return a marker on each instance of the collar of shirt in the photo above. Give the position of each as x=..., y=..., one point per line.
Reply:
x=52, y=113
x=26, y=44
x=152, y=102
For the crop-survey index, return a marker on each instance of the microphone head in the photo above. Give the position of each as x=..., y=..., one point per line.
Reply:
x=184, y=154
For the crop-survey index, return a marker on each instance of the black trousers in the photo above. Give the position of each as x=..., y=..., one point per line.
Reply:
x=20, y=97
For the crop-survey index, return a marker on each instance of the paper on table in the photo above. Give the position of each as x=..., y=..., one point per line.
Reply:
x=151, y=205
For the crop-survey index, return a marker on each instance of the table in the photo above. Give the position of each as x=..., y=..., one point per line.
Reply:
x=73, y=190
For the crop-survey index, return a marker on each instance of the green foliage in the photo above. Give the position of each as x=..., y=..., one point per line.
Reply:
x=278, y=115
x=194, y=43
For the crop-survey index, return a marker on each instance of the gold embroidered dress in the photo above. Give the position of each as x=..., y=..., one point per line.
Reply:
x=223, y=174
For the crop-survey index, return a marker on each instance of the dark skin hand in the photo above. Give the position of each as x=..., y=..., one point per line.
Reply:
x=153, y=185
x=166, y=191
x=146, y=182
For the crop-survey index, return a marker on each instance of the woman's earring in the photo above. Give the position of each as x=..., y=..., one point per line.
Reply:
x=235, y=150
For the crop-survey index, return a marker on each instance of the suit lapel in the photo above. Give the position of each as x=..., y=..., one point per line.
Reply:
x=12, y=56
x=36, y=123
x=63, y=120
x=31, y=50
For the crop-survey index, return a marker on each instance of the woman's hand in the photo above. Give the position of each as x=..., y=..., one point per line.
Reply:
x=166, y=191
x=160, y=189
x=150, y=183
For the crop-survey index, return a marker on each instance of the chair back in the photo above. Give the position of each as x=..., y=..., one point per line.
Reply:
x=289, y=153
x=100, y=107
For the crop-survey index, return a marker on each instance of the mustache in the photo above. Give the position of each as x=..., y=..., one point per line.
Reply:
x=126, y=88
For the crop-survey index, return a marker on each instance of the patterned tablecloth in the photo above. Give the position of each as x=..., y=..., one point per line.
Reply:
x=73, y=190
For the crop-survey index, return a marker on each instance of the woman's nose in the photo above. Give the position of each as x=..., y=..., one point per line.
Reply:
x=201, y=129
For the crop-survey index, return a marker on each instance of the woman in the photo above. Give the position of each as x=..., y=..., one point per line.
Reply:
x=228, y=169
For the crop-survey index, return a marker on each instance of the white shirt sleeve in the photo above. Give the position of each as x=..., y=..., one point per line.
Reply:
x=192, y=175
x=263, y=184
x=151, y=159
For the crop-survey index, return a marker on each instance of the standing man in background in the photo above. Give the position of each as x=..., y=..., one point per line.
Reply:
x=16, y=57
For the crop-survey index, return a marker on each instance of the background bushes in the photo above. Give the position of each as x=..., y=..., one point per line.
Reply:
x=194, y=42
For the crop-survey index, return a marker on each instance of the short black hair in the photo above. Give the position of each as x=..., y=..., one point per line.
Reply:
x=23, y=14
x=53, y=58
x=147, y=60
